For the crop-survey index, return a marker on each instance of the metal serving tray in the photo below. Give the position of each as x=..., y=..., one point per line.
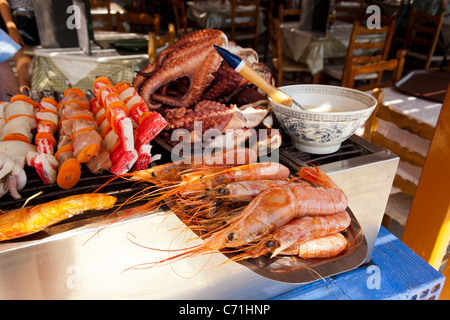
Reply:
x=292, y=269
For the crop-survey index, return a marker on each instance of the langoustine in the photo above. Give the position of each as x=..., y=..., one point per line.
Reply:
x=29, y=220
x=279, y=216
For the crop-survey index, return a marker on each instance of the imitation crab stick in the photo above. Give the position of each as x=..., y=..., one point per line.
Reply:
x=148, y=123
x=116, y=127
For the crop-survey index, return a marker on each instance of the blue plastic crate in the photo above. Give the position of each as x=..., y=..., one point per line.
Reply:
x=395, y=272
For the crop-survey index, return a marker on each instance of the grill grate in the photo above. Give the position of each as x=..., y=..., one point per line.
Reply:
x=296, y=158
x=88, y=183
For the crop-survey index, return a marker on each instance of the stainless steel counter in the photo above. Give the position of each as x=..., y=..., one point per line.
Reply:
x=67, y=266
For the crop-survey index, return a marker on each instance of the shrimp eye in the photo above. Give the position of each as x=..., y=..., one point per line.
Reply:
x=223, y=191
x=231, y=236
x=271, y=243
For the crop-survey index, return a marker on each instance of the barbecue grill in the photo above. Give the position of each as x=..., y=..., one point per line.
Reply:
x=71, y=260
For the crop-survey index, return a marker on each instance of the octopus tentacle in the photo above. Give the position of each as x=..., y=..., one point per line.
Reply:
x=142, y=76
x=212, y=114
x=199, y=65
x=226, y=80
x=189, y=41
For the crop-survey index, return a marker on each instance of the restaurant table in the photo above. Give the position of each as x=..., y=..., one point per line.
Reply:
x=395, y=272
x=312, y=47
x=217, y=14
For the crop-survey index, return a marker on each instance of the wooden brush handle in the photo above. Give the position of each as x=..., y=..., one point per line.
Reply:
x=277, y=95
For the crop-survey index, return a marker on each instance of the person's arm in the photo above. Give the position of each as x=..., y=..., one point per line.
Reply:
x=5, y=12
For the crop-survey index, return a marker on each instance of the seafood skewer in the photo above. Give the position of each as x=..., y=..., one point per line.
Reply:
x=128, y=124
x=148, y=124
x=44, y=160
x=28, y=220
x=77, y=122
x=15, y=142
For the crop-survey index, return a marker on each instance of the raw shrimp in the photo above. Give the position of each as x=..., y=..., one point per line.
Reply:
x=253, y=171
x=248, y=229
x=324, y=247
x=276, y=207
x=175, y=170
x=244, y=190
x=28, y=220
x=297, y=231
x=327, y=198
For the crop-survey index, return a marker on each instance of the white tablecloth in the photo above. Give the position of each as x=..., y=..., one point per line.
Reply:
x=51, y=68
x=217, y=14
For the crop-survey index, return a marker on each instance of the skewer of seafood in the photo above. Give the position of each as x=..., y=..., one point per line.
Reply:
x=148, y=124
x=3, y=105
x=43, y=160
x=118, y=121
x=77, y=122
x=16, y=136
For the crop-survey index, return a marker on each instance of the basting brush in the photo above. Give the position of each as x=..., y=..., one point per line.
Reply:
x=241, y=67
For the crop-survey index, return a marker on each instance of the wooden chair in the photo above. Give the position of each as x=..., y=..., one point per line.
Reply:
x=366, y=45
x=395, y=66
x=139, y=22
x=136, y=6
x=292, y=13
x=245, y=30
x=427, y=231
x=181, y=21
x=280, y=63
x=105, y=19
x=399, y=204
x=349, y=10
x=422, y=35
x=158, y=41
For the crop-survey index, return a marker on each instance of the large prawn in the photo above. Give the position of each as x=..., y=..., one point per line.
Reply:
x=272, y=209
x=28, y=220
x=289, y=237
x=179, y=183
x=175, y=171
x=323, y=247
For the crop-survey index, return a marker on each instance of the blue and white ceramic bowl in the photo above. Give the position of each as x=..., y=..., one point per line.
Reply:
x=334, y=114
